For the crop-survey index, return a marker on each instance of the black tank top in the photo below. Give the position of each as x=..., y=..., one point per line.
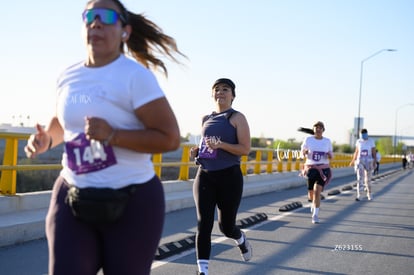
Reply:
x=217, y=126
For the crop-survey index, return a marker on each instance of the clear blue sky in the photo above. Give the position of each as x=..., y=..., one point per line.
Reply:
x=293, y=62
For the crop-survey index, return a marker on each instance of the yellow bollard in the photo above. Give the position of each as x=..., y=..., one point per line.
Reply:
x=185, y=158
x=243, y=165
x=279, y=162
x=257, y=169
x=269, y=167
x=289, y=163
x=8, y=177
x=157, y=160
x=297, y=164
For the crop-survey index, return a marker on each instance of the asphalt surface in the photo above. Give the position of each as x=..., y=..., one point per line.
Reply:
x=365, y=237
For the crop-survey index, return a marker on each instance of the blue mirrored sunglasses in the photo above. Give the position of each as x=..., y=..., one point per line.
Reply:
x=106, y=16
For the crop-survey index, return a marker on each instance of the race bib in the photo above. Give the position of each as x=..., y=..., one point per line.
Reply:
x=205, y=152
x=317, y=156
x=85, y=156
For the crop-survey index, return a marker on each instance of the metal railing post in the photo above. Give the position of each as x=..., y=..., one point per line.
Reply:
x=269, y=167
x=257, y=169
x=289, y=162
x=243, y=165
x=8, y=177
x=185, y=158
x=157, y=160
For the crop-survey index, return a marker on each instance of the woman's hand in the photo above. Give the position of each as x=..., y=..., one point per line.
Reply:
x=194, y=152
x=98, y=129
x=38, y=143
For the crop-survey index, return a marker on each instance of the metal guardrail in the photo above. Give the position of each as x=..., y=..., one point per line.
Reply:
x=265, y=160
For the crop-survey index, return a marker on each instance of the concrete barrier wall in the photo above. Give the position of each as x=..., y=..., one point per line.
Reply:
x=24, y=202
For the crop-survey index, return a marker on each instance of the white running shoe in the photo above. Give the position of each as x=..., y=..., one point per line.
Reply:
x=315, y=219
x=246, y=250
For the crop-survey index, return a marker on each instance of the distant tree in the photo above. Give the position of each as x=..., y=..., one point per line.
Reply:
x=255, y=142
x=385, y=146
x=343, y=148
x=401, y=148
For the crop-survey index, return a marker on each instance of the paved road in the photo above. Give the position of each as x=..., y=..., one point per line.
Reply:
x=366, y=237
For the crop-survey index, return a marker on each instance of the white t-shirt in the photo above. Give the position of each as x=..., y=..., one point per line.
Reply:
x=111, y=92
x=365, y=150
x=318, y=150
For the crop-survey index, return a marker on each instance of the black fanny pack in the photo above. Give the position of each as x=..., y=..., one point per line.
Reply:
x=98, y=205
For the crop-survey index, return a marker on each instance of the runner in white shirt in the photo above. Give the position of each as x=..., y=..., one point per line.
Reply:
x=107, y=206
x=364, y=160
x=318, y=151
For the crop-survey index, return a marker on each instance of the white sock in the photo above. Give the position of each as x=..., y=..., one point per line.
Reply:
x=240, y=241
x=316, y=211
x=202, y=266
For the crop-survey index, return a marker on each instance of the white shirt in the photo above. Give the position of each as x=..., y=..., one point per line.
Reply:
x=365, y=147
x=317, y=150
x=111, y=92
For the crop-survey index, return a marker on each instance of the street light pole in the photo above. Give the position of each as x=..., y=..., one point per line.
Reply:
x=360, y=85
x=395, y=124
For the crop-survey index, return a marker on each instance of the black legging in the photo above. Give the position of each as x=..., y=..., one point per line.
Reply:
x=127, y=246
x=376, y=169
x=223, y=189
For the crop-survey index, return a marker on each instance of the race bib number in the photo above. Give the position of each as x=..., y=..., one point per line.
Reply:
x=317, y=156
x=205, y=152
x=85, y=156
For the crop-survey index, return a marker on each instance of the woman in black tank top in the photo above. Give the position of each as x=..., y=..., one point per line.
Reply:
x=225, y=137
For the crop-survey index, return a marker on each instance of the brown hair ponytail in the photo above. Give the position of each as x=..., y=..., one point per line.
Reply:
x=146, y=39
